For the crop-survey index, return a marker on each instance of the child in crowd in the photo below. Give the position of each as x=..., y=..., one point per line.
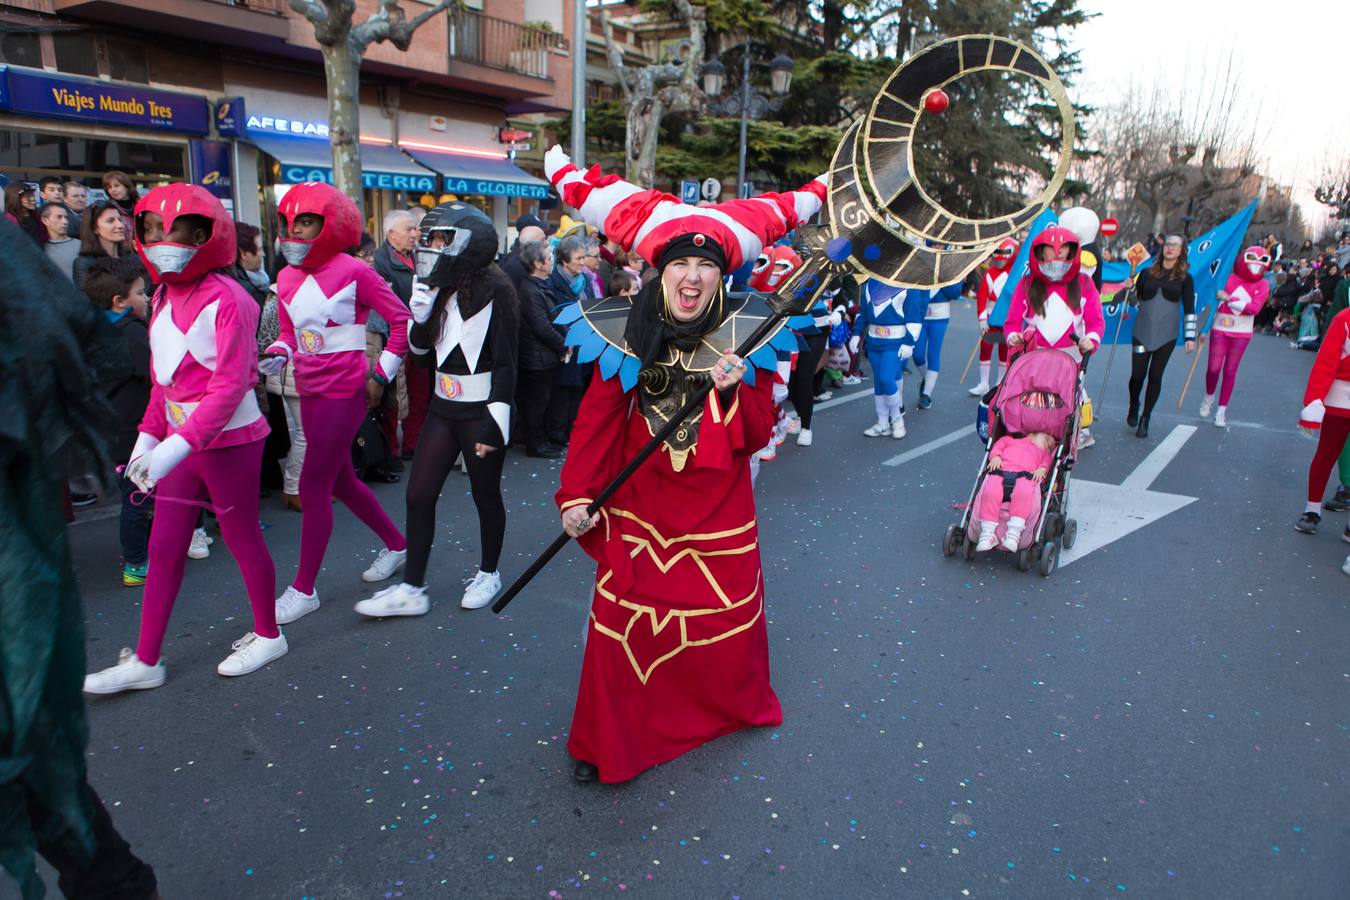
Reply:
x=117, y=286
x=623, y=283
x=1017, y=467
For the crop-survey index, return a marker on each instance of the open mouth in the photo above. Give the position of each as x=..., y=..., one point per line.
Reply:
x=688, y=299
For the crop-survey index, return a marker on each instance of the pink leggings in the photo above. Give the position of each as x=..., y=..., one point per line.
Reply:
x=229, y=476
x=330, y=427
x=1225, y=353
x=1330, y=443
x=1026, y=496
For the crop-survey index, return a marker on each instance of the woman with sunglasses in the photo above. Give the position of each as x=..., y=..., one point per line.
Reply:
x=1165, y=296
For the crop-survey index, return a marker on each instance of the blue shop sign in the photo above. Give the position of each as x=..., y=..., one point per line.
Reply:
x=35, y=93
x=494, y=188
x=230, y=116
x=385, y=181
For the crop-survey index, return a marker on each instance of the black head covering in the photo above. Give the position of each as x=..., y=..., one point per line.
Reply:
x=651, y=326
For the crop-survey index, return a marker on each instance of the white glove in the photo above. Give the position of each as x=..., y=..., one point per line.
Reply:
x=139, y=465
x=555, y=159
x=420, y=303
x=162, y=460
x=836, y=317
x=271, y=365
x=853, y=343
x=906, y=351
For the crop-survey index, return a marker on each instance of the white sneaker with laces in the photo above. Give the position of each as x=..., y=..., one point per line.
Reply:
x=200, y=548
x=881, y=429
x=769, y=453
x=130, y=674
x=385, y=565
x=979, y=390
x=293, y=604
x=804, y=437
x=1012, y=538
x=1221, y=417
x=987, y=536
x=399, y=600
x=898, y=427
x=251, y=653
x=482, y=589
x=851, y=380
x=1206, y=406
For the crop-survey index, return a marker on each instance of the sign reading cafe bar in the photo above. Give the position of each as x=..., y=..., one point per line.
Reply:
x=43, y=94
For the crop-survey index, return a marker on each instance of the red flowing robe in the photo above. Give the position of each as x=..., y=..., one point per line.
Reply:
x=677, y=652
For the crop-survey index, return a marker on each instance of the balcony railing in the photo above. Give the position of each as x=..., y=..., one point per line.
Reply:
x=501, y=44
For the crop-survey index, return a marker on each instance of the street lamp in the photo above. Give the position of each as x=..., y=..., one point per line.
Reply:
x=714, y=75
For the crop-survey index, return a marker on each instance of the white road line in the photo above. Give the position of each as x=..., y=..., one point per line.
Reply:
x=1152, y=466
x=935, y=444
x=835, y=401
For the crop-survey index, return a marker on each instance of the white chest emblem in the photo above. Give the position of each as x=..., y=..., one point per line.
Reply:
x=1057, y=320
x=168, y=345
x=997, y=286
x=1240, y=294
x=467, y=334
x=310, y=307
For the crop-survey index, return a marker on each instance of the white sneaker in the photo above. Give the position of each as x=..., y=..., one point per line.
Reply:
x=385, y=565
x=399, y=600
x=987, y=540
x=482, y=588
x=794, y=424
x=979, y=390
x=1344, y=568
x=804, y=437
x=881, y=429
x=1085, y=439
x=898, y=428
x=823, y=396
x=251, y=653
x=130, y=674
x=850, y=380
x=293, y=604
x=769, y=453
x=200, y=548
x=1221, y=417
x=1012, y=538
x=1206, y=406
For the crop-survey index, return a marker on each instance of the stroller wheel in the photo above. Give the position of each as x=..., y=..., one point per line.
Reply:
x=1070, y=533
x=1024, y=558
x=969, y=548
x=1049, y=558
x=951, y=540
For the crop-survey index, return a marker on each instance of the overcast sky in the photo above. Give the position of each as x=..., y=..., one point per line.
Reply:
x=1293, y=57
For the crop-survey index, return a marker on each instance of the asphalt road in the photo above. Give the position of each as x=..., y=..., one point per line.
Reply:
x=1166, y=716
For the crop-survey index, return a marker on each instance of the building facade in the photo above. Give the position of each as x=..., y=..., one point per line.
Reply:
x=230, y=94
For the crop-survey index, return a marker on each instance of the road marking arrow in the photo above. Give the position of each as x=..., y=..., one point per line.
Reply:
x=1108, y=512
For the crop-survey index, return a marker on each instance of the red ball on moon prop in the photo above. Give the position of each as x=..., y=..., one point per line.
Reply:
x=936, y=101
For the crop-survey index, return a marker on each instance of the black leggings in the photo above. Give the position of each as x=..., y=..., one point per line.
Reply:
x=1150, y=364
x=802, y=384
x=440, y=444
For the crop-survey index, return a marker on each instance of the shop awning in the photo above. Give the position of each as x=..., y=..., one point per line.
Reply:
x=465, y=174
x=383, y=167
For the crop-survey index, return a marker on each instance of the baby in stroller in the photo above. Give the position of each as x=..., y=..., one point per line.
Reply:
x=1023, y=463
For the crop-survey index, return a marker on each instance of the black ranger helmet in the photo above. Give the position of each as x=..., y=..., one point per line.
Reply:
x=470, y=243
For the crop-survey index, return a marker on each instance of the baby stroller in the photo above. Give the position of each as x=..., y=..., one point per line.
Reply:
x=1039, y=393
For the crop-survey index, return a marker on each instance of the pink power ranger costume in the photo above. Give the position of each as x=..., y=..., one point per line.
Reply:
x=1241, y=299
x=1064, y=319
x=202, y=434
x=326, y=298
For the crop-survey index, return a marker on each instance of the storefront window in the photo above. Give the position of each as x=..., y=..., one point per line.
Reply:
x=28, y=155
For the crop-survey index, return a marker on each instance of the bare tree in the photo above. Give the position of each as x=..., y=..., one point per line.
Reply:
x=344, y=46
x=1161, y=154
x=1332, y=187
x=652, y=92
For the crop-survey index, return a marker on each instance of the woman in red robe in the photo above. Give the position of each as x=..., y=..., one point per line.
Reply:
x=677, y=649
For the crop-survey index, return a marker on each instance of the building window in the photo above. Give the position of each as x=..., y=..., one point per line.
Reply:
x=126, y=61
x=28, y=155
x=76, y=52
x=20, y=48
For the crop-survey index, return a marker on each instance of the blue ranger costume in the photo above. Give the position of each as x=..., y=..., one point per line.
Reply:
x=890, y=318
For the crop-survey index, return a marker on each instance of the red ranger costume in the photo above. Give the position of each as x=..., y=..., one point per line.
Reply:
x=991, y=285
x=677, y=649
x=1326, y=407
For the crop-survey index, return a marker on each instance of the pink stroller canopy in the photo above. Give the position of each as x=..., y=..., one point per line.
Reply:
x=1039, y=393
